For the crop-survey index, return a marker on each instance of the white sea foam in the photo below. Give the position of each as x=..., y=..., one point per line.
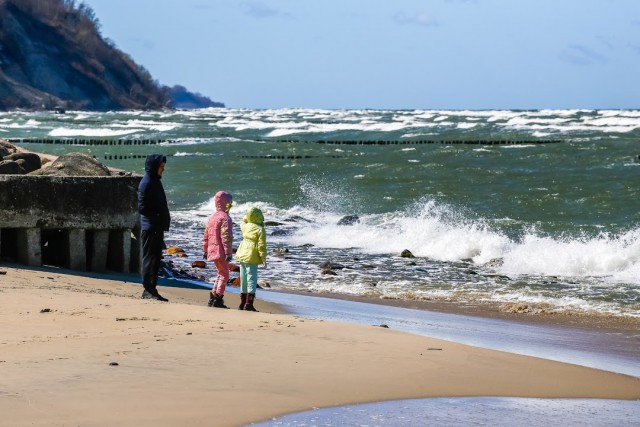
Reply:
x=196, y=154
x=31, y=123
x=149, y=125
x=605, y=256
x=467, y=125
x=438, y=233
x=92, y=132
x=587, y=267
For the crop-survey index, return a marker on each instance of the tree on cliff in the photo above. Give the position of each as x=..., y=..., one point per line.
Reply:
x=53, y=55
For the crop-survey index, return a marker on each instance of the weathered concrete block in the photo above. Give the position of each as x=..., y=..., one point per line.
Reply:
x=77, y=250
x=29, y=249
x=51, y=206
x=108, y=202
x=100, y=250
x=136, y=252
x=120, y=250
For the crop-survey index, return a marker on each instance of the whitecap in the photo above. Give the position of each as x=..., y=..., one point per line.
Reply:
x=92, y=132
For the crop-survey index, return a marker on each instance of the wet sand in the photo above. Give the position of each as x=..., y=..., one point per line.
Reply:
x=85, y=350
x=580, y=320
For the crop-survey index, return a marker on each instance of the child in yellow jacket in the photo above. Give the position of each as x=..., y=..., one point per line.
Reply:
x=251, y=252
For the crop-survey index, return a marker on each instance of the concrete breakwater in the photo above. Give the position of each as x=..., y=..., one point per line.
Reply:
x=82, y=223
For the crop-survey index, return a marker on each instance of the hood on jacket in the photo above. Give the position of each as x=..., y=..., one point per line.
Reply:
x=152, y=164
x=221, y=199
x=254, y=216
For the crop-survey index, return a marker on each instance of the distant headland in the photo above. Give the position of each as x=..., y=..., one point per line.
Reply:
x=53, y=57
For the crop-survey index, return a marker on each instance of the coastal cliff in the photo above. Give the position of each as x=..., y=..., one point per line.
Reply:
x=52, y=56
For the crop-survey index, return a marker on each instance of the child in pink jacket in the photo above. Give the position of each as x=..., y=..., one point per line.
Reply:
x=218, y=239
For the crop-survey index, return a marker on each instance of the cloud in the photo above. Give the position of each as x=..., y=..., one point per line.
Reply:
x=607, y=41
x=582, y=55
x=260, y=10
x=421, y=20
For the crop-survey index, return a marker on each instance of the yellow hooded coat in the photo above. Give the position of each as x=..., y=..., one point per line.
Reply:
x=253, y=248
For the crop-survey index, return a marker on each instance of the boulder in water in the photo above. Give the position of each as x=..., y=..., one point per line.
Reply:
x=199, y=264
x=172, y=250
x=349, y=220
x=407, y=254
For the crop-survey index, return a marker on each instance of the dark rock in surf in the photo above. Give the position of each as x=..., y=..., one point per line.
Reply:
x=349, y=220
x=495, y=262
x=272, y=224
x=296, y=218
x=329, y=272
x=199, y=264
x=407, y=254
x=281, y=232
x=331, y=266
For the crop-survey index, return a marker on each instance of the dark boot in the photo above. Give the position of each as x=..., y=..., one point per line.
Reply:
x=249, y=305
x=212, y=298
x=218, y=301
x=243, y=300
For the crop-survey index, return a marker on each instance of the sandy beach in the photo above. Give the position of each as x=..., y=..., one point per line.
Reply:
x=85, y=350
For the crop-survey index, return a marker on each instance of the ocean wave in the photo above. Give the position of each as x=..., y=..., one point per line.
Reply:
x=459, y=257
x=436, y=231
x=92, y=132
x=31, y=123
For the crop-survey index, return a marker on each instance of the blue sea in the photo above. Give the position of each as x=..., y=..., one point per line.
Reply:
x=537, y=208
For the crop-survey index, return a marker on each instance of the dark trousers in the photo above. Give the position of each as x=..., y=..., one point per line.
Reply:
x=152, y=245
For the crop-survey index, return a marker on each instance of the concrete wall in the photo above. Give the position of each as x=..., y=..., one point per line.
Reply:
x=75, y=222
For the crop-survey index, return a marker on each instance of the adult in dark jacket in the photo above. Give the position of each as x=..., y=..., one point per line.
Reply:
x=154, y=220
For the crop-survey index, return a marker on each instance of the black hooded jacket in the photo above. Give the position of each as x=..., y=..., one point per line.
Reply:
x=152, y=201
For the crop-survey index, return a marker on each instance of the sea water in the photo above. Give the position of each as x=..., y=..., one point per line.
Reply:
x=534, y=207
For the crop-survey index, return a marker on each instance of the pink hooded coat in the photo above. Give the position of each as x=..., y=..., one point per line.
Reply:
x=218, y=236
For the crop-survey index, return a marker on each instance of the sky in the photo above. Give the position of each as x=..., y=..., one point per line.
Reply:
x=387, y=54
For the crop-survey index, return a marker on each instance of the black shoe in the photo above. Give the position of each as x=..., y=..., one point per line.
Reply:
x=212, y=299
x=160, y=297
x=249, y=305
x=153, y=295
x=218, y=302
x=146, y=295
